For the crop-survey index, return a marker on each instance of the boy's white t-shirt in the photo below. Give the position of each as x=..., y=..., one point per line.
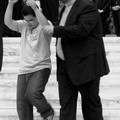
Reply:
x=34, y=49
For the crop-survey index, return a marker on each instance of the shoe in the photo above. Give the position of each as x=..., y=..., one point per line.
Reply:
x=50, y=117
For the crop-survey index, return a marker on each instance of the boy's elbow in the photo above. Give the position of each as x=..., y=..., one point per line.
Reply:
x=6, y=21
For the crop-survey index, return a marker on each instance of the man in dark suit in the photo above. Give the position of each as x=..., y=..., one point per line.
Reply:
x=82, y=60
x=104, y=10
x=116, y=15
x=1, y=31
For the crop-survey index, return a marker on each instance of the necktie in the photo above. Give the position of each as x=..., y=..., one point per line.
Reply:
x=59, y=47
x=61, y=12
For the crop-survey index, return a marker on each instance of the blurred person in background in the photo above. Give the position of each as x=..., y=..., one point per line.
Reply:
x=115, y=6
x=104, y=10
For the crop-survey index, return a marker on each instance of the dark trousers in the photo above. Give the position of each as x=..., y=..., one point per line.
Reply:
x=104, y=17
x=116, y=19
x=68, y=93
x=30, y=88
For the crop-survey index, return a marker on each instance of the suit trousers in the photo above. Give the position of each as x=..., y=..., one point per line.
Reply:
x=30, y=88
x=116, y=18
x=104, y=17
x=68, y=93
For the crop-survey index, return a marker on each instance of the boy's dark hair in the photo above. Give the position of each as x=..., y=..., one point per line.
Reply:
x=27, y=10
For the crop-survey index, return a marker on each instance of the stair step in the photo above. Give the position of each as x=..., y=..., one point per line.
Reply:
x=107, y=116
x=109, y=103
x=109, y=86
x=12, y=46
x=13, y=61
x=109, y=80
x=57, y=118
x=12, y=115
x=16, y=40
x=51, y=92
x=14, y=70
x=112, y=39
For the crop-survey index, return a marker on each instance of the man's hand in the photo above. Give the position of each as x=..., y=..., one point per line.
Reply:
x=100, y=11
x=48, y=29
x=12, y=1
x=116, y=8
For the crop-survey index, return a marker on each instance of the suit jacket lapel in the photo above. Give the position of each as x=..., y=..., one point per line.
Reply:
x=72, y=11
x=70, y=15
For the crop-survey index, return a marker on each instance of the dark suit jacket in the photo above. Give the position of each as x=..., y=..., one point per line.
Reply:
x=103, y=4
x=82, y=43
x=1, y=30
x=115, y=2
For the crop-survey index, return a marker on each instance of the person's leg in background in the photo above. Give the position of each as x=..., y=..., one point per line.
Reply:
x=116, y=19
x=118, y=25
x=104, y=17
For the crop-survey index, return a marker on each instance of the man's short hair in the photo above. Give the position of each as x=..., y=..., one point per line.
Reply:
x=27, y=10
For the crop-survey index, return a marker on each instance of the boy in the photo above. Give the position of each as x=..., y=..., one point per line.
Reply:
x=35, y=63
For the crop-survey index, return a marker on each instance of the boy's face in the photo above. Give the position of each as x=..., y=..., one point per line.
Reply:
x=32, y=21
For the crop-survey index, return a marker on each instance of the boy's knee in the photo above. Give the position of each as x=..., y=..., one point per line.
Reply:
x=33, y=94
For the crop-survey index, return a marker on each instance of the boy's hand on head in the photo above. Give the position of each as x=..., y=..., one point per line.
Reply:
x=38, y=3
x=12, y=1
x=32, y=4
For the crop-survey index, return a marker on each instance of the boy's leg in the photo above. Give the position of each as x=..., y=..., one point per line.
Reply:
x=35, y=89
x=24, y=108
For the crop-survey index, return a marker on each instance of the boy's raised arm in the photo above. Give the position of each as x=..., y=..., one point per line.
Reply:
x=38, y=11
x=9, y=22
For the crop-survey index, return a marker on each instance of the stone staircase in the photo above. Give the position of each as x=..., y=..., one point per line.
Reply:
x=109, y=89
